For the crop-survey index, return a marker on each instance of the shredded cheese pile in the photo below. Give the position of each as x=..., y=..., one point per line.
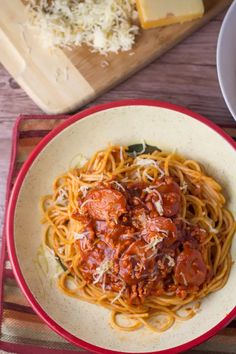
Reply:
x=104, y=25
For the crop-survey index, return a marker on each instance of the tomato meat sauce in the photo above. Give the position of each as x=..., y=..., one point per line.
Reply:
x=135, y=242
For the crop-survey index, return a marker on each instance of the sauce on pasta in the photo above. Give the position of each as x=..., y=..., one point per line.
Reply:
x=142, y=235
x=146, y=250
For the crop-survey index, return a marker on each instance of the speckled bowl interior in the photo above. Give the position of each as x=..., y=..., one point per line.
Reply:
x=163, y=127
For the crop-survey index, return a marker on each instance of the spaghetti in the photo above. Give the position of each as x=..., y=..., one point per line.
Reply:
x=142, y=235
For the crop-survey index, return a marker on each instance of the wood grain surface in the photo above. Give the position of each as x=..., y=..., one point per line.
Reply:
x=186, y=75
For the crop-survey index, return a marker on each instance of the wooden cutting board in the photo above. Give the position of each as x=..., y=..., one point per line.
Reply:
x=60, y=80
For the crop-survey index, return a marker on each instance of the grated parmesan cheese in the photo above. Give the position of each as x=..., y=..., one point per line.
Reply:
x=184, y=187
x=145, y=162
x=101, y=270
x=84, y=190
x=148, y=176
x=79, y=160
x=185, y=221
x=153, y=254
x=143, y=149
x=80, y=235
x=119, y=185
x=125, y=179
x=104, y=25
x=137, y=174
x=119, y=294
x=159, y=207
x=211, y=228
x=62, y=198
x=61, y=249
x=171, y=261
x=159, y=203
x=184, y=279
x=149, y=162
x=153, y=243
x=86, y=202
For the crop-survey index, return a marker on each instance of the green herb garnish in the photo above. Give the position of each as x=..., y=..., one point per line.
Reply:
x=138, y=149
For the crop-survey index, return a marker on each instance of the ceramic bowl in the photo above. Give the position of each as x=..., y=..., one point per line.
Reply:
x=226, y=59
x=127, y=122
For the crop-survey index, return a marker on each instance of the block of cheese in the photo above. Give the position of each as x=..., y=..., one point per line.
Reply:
x=154, y=13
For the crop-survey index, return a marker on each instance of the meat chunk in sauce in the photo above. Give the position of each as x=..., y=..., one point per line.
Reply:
x=143, y=246
x=137, y=263
x=190, y=268
x=161, y=227
x=93, y=258
x=171, y=197
x=105, y=204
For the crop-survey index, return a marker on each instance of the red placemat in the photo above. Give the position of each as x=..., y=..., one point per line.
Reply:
x=21, y=330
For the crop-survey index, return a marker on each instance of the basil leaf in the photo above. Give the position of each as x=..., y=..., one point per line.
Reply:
x=61, y=264
x=137, y=149
x=149, y=149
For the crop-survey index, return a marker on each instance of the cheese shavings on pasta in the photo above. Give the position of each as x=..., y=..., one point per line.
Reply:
x=84, y=190
x=154, y=242
x=171, y=261
x=62, y=198
x=104, y=25
x=159, y=207
x=80, y=235
x=101, y=270
x=119, y=294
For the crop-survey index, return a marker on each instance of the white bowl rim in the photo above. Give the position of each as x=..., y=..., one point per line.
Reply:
x=12, y=206
x=218, y=58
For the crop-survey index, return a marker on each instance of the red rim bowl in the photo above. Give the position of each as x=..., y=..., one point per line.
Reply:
x=11, y=211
